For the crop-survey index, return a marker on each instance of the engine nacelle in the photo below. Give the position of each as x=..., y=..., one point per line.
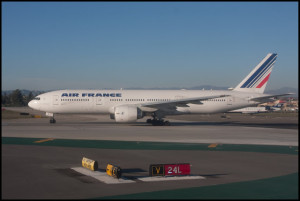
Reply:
x=127, y=113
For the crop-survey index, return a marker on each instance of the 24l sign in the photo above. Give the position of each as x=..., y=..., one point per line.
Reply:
x=177, y=169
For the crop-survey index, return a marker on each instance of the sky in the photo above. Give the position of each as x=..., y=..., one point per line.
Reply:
x=98, y=45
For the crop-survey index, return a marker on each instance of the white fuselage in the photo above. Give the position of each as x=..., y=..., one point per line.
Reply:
x=104, y=101
x=130, y=105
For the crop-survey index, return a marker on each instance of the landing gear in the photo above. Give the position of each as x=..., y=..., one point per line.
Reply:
x=52, y=121
x=158, y=122
x=51, y=115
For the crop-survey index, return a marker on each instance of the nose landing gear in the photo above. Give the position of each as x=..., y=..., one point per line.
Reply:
x=51, y=115
x=52, y=121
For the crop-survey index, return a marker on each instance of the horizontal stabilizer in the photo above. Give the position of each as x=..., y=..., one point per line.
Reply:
x=270, y=97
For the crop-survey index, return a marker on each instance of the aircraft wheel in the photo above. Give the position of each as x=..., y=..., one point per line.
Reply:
x=160, y=122
x=167, y=123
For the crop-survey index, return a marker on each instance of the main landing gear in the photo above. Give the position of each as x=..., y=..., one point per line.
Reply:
x=158, y=122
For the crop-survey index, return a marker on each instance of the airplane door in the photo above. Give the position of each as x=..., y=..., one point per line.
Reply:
x=230, y=100
x=55, y=99
x=179, y=97
x=99, y=101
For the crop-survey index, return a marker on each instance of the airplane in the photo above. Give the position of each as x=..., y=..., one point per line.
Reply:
x=249, y=110
x=126, y=106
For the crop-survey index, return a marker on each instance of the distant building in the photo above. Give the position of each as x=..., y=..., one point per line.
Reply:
x=284, y=104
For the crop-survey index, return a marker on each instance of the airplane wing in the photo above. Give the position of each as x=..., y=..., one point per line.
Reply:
x=269, y=98
x=171, y=105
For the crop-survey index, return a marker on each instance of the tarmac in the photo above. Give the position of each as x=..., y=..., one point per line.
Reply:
x=39, y=160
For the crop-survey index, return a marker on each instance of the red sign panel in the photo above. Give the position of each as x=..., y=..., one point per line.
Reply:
x=177, y=169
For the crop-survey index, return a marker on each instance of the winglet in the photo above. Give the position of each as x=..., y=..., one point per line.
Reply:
x=258, y=78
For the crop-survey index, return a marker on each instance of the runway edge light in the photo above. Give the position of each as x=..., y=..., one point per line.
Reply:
x=113, y=171
x=89, y=164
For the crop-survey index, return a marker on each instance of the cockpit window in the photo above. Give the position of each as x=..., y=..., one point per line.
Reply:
x=37, y=98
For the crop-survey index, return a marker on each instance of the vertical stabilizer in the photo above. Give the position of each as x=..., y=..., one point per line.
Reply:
x=258, y=78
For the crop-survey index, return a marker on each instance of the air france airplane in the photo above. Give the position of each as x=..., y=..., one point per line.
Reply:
x=130, y=105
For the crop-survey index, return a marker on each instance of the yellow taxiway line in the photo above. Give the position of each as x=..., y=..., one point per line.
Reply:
x=40, y=141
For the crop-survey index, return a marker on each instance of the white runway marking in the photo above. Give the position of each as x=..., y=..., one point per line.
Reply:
x=170, y=178
x=102, y=176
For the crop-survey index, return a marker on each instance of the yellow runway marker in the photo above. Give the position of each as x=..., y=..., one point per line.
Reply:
x=213, y=145
x=40, y=141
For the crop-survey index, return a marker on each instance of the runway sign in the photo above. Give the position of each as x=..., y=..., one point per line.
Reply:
x=177, y=169
x=157, y=170
x=169, y=169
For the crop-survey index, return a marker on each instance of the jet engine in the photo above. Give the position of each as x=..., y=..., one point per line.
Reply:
x=127, y=113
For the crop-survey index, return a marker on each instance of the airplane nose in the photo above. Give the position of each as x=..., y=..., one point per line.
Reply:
x=33, y=104
x=30, y=104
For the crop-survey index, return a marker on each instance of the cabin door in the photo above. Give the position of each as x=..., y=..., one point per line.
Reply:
x=99, y=100
x=55, y=99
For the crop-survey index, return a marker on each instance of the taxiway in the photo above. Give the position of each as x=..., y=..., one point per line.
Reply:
x=41, y=171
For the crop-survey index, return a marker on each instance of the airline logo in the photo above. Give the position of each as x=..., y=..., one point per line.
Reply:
x=91, y=95
x=261, y=75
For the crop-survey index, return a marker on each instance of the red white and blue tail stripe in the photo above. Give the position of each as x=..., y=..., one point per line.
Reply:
x=257, y=80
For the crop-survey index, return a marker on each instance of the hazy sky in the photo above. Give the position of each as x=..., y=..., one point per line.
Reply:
x=95, y=45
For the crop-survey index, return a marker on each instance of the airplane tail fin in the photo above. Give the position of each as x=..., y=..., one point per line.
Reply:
x=258, y=78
